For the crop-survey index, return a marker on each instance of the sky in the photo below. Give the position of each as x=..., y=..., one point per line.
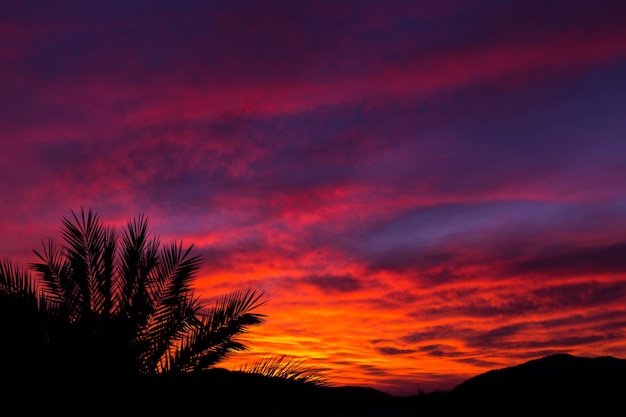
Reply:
x=423, y=191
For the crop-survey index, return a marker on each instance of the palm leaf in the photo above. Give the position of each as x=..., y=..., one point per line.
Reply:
x=105, y=284
x=174, y=310
x=215, y=335
x=289, y=368
x=59, y=288
x=139, y=257
x=16, y=280
x=84, y=239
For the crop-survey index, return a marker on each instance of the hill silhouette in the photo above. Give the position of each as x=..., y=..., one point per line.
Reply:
x=558, y=370
x=558, y=384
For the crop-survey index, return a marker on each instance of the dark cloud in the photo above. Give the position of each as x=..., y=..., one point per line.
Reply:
x=582, y=295
x=372, y=370
x=391, y=351
x=515, y=302
x=334, y=283
x=431, y=333
x=512, y=338
x=518, y=336
x=438, y=350
x=576, y=261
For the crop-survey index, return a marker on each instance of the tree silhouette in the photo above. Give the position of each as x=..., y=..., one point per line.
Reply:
x=109, y=303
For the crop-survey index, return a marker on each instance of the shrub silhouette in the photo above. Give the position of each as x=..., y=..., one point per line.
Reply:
x=289, y=368
x=109, y=303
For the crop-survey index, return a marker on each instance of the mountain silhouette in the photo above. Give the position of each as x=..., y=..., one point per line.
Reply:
x=558, y=371
x=559, y=384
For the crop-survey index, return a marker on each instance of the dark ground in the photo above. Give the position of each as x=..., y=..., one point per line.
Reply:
x=558, y=385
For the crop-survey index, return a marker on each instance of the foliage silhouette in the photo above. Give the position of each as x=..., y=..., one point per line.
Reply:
x=289, y=368
x=109, y=303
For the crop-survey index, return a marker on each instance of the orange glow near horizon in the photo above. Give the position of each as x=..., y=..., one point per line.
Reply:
x=370, y=335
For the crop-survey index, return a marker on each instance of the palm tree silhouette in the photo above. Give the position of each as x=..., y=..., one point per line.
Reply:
x=108, y=303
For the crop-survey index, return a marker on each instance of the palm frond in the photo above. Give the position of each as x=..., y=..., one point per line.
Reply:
x=139, y=256
x=16, y=280
x=83, y=241
x=19, y=289
x=105, y=285
x=176, y=272
x=173, y=308
x=163, y=332
x=216, y=334
x=59, y=288
x=289, y=368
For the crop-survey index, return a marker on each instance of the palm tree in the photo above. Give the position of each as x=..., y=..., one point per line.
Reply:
x=117, y=303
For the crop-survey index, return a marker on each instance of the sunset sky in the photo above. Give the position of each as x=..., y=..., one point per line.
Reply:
x=423, y=190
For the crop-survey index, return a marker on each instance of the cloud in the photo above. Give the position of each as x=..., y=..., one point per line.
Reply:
x=391, y=351
x=575, y=261
x=334, y=283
